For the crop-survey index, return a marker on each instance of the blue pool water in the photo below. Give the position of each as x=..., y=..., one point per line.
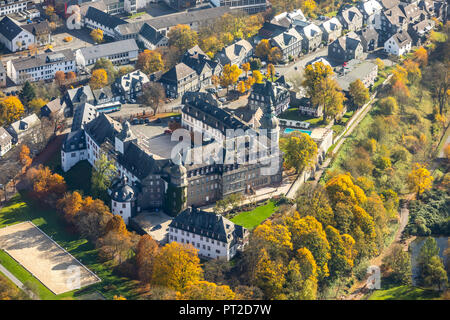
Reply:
x=289, y=130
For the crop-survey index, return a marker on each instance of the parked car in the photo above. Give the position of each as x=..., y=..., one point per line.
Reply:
x=141, y=121
x=167, y=131
x=135, y=121
x=147, y=120
x=223, y=100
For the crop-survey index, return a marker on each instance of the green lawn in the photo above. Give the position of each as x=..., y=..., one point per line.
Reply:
x=21, y=208
x=404, y=293
x=251, y=219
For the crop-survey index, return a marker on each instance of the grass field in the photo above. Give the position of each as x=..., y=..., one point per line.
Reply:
x=10, y=290
x=293, y=114
x=404, y=293
x=20, y=208
x=251, y=219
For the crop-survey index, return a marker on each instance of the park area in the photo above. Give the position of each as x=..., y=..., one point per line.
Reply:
x=42, y=257
x=253, y=218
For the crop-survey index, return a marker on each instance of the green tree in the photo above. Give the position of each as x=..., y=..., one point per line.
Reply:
x=388, y=105
x=108, y=66
x=27, y=93
x=102, y=175
x=398, y=262
x=300, y=151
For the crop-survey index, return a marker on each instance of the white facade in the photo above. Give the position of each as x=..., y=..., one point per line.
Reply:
x=13, y=6
x=20, y=42
x=207, y=247
x=122, y=209
x=38, y=70
x=164, y=42
x=71, y=158
x=393, y=47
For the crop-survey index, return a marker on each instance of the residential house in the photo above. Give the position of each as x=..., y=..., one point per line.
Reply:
x=270, y=30
x=311, y=34
x=332, y=29
x=13, y=36
x=237, y=53
x=96, y=19
x=77, y=96
x=205, y=68
x=345, y=48
x=289, y=43
x=365, y=71
x=392, y=21
x=441, y=10
x=286, y=19
x=27, y=127
x=427, y=6
x=268, y=95
x=399, y=44
x=152, y=38
x=351, y=19
x=130, y=85
x=41, y=32
x=55, y=107
x=118, y=52
x=180, y=79
x=306, y=107
x=104, y=95
x=214, y=236
x=412, y=12
x=5, y=141
x=41, y=67
x=419, y=32
x=371, y=10
x=369, y=38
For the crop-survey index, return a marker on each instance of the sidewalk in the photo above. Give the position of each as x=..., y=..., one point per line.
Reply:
x=17, y=282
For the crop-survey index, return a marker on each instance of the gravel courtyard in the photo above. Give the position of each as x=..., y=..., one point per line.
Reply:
x=42, y=257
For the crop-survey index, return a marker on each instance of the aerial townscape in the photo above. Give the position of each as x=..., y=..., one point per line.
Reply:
x=224, y=150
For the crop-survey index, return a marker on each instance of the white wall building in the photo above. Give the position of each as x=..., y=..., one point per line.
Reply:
x=118, y=52
x=13, y=6
x=399, y=44
x=13, y=36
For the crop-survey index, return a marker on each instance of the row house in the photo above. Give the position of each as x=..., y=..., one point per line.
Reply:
x=205, y=68
x=237, y=53
x=398, y=44
x=351, y=19
x=345, y=48
x=289, y=43
x=311, y=34
x=180, y=79
x=332, y=29
x=371, y=11
x=392, y=21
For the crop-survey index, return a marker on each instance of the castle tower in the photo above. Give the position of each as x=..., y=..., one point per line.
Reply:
x=125, y=137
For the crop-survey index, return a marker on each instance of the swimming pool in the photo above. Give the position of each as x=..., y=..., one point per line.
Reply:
x=289, y=130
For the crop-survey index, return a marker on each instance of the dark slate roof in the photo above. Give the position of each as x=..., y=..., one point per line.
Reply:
x=103, y=18
x=348, y=42
x=75, y=94
x=55, y=105
x=150, y=33
x=368, y=33
x=395, y=16
x=401, y=38
x=274, y=91
x=9, y=28
x=103, y=127
x=103, y=93
x=121, y=191
x=140, y=163
x=199, y=104
x=270, y=30
x=76, y=140
x=197, y=60
x=83, y=114
x=208, y=224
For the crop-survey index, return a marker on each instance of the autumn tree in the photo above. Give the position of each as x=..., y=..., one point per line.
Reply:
x=47, y=186
x=398, y=263
x=97, y=35
x=246, y=68
x=150, y=61
x=312, y=200
x=36, y=104
x=379, y=63
x=414, y=73
x=24, y=156
x=275, y=55
x=421, y=56
x=388, y=105
x=60, y=77
x=308, y=233
x=146, y=250
x=115, y=246
x=230, y=75
x=153, y=95
x=92, y=219
x=104, y=171
x=262, y=49
x=270, y=275
x=204, y=290
x=437, y=79
x=49, y=11
x=270, y=71
x=300, y=151
x=99, y=79
x=342, y=188
x=249, y=82
x=359, y=93
x=420, y=179
x=241, y=87
x=71, y=75
x=256, y=74
x=308, y=7
x=70, y=205
x=275, y=237
x=175, y=266
x=342, y=252
x=182, y=38
x=107, y=65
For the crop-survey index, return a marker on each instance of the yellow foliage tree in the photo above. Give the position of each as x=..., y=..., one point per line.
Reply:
x=420, y=179
x=176, y=265
x=276, y=235
x=204, y=290
x=99, y=78
x=97, y=35
x=11, y=109
x=257, y=76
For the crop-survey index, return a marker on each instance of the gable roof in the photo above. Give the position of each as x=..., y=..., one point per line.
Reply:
x=38, y=28
x=231, y=52
x=369, y=7
x=388, y=4
x=284, y=39
x=103, y=127
x=331, y=25
x=106, y=49
x=308, y=29
x=179, y=71
x=150, y=34
x=129, y=80
x=351, y=14
x=75, y=94
x=82, y=115
x=348, y=42
x=55, y=105
x=103, y=18
x=25, y=124
x=395, y=15
x=10, y=28
x=401, y=38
